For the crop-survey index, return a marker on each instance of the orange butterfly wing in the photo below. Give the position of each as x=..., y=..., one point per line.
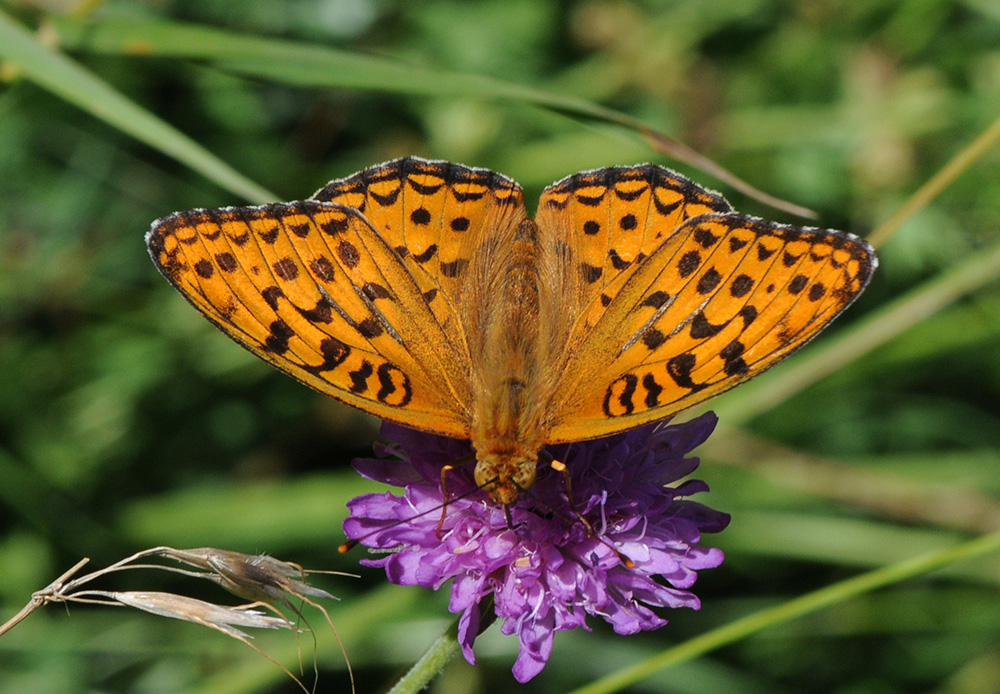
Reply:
x=435, y=214
x=703, y=306
x=362, y=313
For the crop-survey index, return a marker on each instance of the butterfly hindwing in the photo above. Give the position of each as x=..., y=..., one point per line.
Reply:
x=434, y=214
x=612, y=218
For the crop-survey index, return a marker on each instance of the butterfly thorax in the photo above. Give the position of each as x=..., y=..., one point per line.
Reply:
x=508, y=422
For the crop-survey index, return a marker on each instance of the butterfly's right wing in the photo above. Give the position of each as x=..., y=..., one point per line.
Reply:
x=316, y=289
x=703, y=304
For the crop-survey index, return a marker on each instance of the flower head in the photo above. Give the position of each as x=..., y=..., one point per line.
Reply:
x=546, y=570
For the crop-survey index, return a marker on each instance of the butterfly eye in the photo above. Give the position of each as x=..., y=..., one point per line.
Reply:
x=524, y=477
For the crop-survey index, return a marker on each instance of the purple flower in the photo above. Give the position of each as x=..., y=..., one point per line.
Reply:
x=546, y=571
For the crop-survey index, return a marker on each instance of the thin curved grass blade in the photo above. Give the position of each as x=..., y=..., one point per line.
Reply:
x=828, y=596
x=291, y=62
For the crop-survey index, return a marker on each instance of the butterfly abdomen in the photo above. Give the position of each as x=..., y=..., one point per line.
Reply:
x=508, y=422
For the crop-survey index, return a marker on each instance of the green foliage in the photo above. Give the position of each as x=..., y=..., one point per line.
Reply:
x=127, y=421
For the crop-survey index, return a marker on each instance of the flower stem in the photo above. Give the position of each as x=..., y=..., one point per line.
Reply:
x=441, y=651
x=430, y=663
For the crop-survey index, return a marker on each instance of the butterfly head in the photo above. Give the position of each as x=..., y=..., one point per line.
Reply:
x=503, y=476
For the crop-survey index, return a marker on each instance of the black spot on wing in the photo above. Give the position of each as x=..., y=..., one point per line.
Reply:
x=204, y=268
x=630, y=195
x=286, y=269
x=427, y=254
x=369, y=328
x=420, y=216
x=736, y=243
x=334, y=353
x=763, y=252
x=706, y=238
x=653, y=338
x=616, y=260
x=394, y=386
x=689, y=262
x=348, y=254
x=271, y=295
x=732, y=354
x=226, y=262
x=680, y=367
x=374, y=291
x=322, y=312
x=657, y=299
x=749, y=314
x=741, y=286
x=269, y=236
x=335, y=226
x=385, y=199
x=702, y=328
x=359, y=377
x=653, y=390
x=709, y=281
x=322, y=268
x=618, y=396
x=277, y=340
x=787, y=259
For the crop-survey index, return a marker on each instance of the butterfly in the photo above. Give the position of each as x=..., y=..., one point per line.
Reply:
x=422, y=292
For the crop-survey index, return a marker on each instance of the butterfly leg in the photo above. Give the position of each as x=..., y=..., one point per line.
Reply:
x=445, y=495
x=560, y=466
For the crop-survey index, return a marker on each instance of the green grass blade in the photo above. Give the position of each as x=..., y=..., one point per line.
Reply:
x=65, y=78
x=293, y=62
x=310, y=65
x=937, y=183
x=793, y=609
x=430, y=663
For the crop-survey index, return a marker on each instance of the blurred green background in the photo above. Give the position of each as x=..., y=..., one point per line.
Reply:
x=127, y=421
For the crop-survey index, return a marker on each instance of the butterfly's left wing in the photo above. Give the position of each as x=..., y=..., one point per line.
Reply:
x=723, y=297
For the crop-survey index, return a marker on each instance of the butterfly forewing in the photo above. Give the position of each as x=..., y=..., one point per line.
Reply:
x=725, y=298
x=315, y=290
